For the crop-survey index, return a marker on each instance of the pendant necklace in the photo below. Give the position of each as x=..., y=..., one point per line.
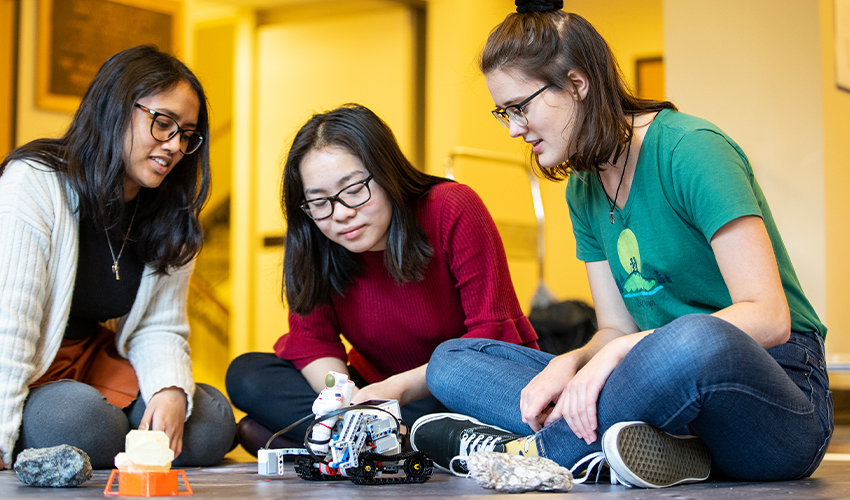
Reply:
x=126, y=237
x=612, y=204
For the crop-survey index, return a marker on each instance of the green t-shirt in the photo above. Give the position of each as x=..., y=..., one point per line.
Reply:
x=690, y=180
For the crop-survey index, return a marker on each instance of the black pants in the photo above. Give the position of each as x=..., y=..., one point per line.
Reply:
x=275, y=394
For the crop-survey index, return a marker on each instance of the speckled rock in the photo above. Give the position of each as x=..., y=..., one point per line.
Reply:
x=60, y=466
x=514, y=474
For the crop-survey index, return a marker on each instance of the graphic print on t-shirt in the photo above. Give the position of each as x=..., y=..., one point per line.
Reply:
x=635, y=284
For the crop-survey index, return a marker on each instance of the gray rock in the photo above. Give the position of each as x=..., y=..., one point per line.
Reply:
x=56, y=467
x=515, y=474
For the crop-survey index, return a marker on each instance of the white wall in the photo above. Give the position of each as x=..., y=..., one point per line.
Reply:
x=754, y=69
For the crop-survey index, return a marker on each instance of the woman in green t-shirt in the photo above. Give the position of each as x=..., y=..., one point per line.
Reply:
x=707, y=346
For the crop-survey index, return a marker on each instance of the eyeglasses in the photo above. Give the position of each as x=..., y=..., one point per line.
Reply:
x=351, y=196
x=164, y=127
x=514, y=112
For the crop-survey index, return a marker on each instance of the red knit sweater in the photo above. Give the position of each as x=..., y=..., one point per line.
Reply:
x=467, y=292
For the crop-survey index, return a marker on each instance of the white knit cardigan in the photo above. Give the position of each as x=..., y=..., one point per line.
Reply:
x=39, y=239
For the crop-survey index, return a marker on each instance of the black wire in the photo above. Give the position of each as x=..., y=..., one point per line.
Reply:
x=284, y=431
x=317, y=419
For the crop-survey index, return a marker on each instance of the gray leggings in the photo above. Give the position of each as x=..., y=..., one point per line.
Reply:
x=69, y=412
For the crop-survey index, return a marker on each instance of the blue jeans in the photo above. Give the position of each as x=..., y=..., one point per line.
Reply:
x=765, y=414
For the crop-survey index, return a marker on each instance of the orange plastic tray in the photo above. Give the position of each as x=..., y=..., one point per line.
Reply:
x=147, y=484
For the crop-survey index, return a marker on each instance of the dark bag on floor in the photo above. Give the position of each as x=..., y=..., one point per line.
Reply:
x=563, y=326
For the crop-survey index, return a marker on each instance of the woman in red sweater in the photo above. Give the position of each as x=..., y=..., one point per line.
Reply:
x=395, y=260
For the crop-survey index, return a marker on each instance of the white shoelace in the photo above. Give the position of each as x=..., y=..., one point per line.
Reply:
x=471, y=443
x=595, y=460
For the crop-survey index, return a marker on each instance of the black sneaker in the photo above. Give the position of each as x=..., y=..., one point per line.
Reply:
x=449, y=438
x=644, y=456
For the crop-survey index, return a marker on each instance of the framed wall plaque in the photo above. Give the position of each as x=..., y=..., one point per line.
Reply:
x=75, y=37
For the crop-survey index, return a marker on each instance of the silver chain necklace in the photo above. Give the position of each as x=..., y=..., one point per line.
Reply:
x=126, y=237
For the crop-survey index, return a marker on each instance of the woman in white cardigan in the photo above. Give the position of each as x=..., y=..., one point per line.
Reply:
x=98, y=232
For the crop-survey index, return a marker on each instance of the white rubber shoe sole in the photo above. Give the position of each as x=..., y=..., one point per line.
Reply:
x=644, y=456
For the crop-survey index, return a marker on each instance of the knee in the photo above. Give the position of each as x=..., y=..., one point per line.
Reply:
x=444, y=355
x=449, y=351
x=68, y=402
x=444, y=352
x=243, y=378
x=63, y=412
x=214, y=401
x=701, y=341
x=240, y=368
x=210, y=429
x=447, y=363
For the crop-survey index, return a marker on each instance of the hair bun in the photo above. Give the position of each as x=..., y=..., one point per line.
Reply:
x=523, y=6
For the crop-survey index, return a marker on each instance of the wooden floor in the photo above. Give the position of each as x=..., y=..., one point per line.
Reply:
x=237, y=478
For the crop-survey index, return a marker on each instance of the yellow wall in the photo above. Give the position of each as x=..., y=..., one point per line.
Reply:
x=729, y=62
x=634, y=30
x=212, y=61
x=213, y=65
x=311, y=60
x=725, y=57
x=458, y=114
x=7, y=47
x=32, y=123
x=836, y=110
x=242, y=242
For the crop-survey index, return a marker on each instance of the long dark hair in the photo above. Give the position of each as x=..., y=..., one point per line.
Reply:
x=547, y=46
x=90, y=157
x=314, y=267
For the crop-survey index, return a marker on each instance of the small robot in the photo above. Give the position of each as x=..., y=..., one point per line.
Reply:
x=359, y=443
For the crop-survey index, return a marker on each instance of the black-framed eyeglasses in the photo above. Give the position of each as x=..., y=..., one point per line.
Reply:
x=164, y=127
x=351, y=196
x=515, y=112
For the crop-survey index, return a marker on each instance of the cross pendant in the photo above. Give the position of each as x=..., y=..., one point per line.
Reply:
x=115, y=270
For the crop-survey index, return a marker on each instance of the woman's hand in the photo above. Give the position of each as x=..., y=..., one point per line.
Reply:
x=573, y=381
x=544, y=391
x=404, y=387
x=579, y=401
x=387, y=389
x=166, y=411
x=577, y=404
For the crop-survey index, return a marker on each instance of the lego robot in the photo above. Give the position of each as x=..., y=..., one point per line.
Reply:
x=359, y=443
